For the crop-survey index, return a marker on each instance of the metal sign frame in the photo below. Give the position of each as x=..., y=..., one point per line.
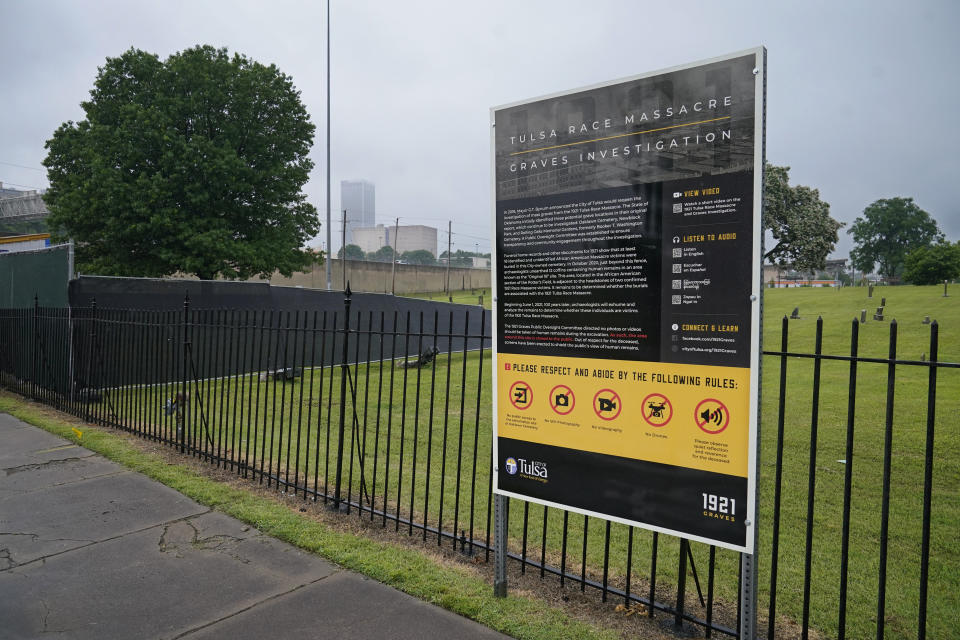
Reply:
x=752, y=395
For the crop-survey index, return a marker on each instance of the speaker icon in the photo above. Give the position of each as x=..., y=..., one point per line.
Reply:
x=715, y=416
x=711, y=416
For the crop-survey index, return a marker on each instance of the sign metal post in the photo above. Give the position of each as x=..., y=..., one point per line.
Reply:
x=501, y=506
x=627, y=281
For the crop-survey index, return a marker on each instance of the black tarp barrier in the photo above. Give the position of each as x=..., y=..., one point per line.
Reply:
x=232, y=328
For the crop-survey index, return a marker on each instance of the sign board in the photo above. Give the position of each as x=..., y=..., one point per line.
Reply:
x=627, y=309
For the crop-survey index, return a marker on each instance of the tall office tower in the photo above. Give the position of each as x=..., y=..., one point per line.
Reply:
x=357, y=198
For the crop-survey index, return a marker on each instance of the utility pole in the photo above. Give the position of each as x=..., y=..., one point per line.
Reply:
x=343, y=250
x=449, y=256
x=393, y=284
x=329, y=240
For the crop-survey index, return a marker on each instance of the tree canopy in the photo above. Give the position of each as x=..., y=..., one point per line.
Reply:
x=462, y=258
x=932, y=264
x=194, y=164
x=383, y=254
x=887, y=232
x=418, y=256
x=800, y=222
x=352, y=252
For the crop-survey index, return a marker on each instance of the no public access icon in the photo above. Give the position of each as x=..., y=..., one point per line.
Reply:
x=521, y=395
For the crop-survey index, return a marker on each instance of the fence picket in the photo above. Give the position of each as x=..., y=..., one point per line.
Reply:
x=238, y=389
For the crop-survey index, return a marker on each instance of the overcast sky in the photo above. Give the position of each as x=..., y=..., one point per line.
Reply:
x=861, y=96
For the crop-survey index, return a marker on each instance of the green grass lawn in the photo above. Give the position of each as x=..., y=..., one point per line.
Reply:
x=465, y=296
x=837, y=308
x=423, y=430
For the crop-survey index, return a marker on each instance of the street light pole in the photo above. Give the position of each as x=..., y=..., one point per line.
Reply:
x=393, y=285
x=449, y=246
x=329, y=237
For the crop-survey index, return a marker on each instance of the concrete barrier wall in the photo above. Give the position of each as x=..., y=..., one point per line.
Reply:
x=376, y=277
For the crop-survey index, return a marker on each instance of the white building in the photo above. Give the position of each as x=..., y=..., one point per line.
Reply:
x=371, y=239
x=411, y=237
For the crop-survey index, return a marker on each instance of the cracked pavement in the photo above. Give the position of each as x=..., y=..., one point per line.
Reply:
x=91, y=550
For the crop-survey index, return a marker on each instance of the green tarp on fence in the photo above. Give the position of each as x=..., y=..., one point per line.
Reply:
x=44, y=273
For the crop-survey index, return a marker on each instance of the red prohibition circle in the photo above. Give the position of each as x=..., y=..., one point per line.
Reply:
x=619, y=404
x=529, y=392
x=643, y=409
x=573, y=399
x=725, y=415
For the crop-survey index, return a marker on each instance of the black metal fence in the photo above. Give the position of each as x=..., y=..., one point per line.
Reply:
x=387, y=417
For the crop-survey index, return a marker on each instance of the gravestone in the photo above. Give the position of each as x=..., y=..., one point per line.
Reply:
x=944, y=288
x=879, y=314
x=883, y=302
x=926, y=320
x=863, y=316
x=796, y=314
x=870, y=291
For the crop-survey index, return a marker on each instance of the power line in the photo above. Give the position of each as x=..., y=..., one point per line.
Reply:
x=20, y=166
x=467, y=235
x=465, y=224
x=25, y=186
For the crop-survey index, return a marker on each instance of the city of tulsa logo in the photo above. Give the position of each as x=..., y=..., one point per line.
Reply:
x=527, y=469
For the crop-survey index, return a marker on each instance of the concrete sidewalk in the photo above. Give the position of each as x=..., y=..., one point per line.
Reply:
x=91, y=550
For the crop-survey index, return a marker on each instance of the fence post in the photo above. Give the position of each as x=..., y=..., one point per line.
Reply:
x=181, y=399
x=344, y=371
x=35, y=345
x=681, y=586
x=91, y=339
x=71, y=382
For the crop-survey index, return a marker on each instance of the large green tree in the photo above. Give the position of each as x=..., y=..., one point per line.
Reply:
x=352, y=251
x=192, y=164
x=383, y=254
x=887, y=232
x=933, y=264
x=461, y=258
x=800, y=222
x=418, y=256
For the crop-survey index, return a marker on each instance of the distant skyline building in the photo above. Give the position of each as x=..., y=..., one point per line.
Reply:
x=358, y=199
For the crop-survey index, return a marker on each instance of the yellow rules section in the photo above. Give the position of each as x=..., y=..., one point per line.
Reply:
x=683, y=415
